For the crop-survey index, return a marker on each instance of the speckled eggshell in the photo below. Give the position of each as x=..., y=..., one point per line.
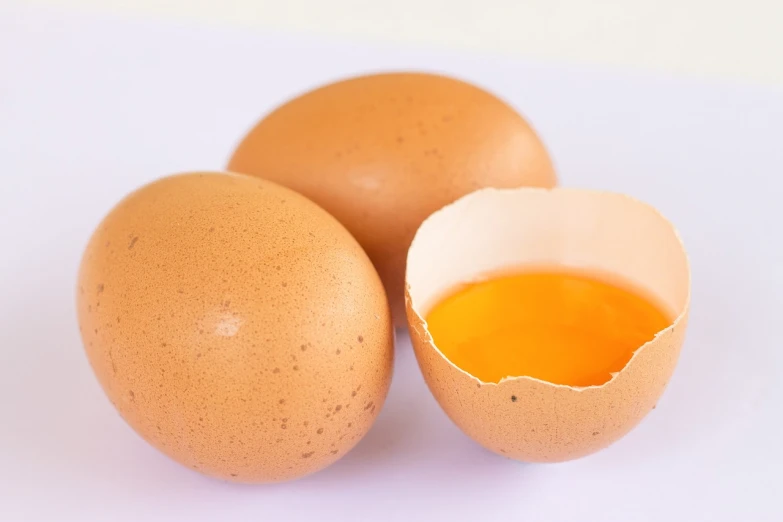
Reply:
x=236, y=326
x=498, y=230
x=384, y=151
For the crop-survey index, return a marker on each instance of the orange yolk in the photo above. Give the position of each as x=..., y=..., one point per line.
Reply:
x=564, y=328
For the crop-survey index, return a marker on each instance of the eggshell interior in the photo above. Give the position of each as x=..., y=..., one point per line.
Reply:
x=494, y=230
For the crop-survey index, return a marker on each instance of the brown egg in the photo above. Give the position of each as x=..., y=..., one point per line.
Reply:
x=382, y=152
x=236, y=326
x=493, y=231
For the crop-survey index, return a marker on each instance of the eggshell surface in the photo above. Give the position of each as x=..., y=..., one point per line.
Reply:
x=495, y=230
x=384, y=151
x=236, y=326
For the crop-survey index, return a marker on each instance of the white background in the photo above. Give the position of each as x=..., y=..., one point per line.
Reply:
x=730, y=39
x=93, y=106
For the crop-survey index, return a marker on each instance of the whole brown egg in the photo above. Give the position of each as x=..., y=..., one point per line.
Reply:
x=236, y=326
x=382, y=152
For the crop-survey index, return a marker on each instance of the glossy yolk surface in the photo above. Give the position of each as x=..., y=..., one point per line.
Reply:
x=560, y=327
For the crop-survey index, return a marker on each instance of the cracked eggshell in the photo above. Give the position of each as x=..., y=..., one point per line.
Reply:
x=496, y=230
x=382, y=152
x=236, y=326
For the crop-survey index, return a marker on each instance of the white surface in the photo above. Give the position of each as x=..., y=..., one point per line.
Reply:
x=715, y=38
x=92, y=107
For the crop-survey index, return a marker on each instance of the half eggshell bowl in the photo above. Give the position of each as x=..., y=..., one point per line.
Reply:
x=497, y=230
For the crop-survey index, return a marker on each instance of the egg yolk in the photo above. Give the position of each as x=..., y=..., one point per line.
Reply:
x=564, y=328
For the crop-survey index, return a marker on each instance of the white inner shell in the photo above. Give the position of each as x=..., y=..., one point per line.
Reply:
x=495, y=230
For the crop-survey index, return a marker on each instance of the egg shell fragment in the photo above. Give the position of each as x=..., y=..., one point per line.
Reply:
x=236, y=326
x=381, y=152
x=491, y=231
